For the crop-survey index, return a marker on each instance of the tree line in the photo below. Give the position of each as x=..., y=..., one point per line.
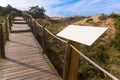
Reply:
x=6, y=10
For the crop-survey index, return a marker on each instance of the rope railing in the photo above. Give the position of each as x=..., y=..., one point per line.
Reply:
x=85, y=57
x=38, y=24
x=55, y=36
x=73, y=47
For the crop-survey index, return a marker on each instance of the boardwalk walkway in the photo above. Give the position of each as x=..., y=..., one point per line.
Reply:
x=24, y=58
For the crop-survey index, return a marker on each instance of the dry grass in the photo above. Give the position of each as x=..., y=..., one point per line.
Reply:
x=101, y=21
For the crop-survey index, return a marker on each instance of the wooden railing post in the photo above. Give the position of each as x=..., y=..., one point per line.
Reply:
x=6, y=27
x=34, y=28
x=71, y=62
x=24, y=16
x=2, y=47
x=30, y=21
x=10, y=22
x=67, y=61
x=27, y=19
x=43, y=39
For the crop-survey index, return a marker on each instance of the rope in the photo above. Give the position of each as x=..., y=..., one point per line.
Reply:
x=4, y=22
x=38, y=24
x=55, y=36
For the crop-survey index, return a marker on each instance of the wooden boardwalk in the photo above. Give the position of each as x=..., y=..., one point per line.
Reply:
x=24, y=57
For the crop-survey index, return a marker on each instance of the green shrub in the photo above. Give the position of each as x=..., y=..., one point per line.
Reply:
x=116, y=41
x=55, y=59
x=37, y=12
x=6, y=10
x=115, y=16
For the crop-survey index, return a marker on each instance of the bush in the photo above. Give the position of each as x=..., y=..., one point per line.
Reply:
x=103, y=17
x=115, y=16
x=6, y=10
x=37, y=12
x=116, y=41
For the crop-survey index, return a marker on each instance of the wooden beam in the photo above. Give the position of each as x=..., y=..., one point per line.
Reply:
x=67, y=61
x=43, y=39
x=2, y=46
x=71, y=62
x=6, y=27
x=8, y=22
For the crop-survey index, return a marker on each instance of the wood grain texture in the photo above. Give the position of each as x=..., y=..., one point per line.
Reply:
x=24, y=58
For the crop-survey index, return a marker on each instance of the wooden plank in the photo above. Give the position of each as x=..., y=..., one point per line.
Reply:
x=74, y=63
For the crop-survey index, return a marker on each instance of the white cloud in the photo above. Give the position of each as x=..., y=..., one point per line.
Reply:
x=82, y=7
x=90, y=7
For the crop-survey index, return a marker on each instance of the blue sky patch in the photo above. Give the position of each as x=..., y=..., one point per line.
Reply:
x=65, y=2
x=68, y=7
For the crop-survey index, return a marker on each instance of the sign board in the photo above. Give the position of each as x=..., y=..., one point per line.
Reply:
x=82, y=34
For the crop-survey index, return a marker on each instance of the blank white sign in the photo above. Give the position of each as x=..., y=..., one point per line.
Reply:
x=82, y=34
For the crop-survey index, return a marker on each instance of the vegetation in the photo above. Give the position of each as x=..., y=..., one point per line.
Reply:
x=105, y=51
x=116, y=40
x=6, y=10
x=37, y=12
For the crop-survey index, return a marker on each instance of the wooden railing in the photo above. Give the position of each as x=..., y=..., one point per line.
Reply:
x=72, y=53
x=5, y=28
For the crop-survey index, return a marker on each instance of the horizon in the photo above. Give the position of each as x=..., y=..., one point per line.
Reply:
x=67, y=8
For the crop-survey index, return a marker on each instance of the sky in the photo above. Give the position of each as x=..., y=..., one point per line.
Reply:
x=68, y=7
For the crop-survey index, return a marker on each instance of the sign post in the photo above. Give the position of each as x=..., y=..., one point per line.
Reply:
x=77, y=34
